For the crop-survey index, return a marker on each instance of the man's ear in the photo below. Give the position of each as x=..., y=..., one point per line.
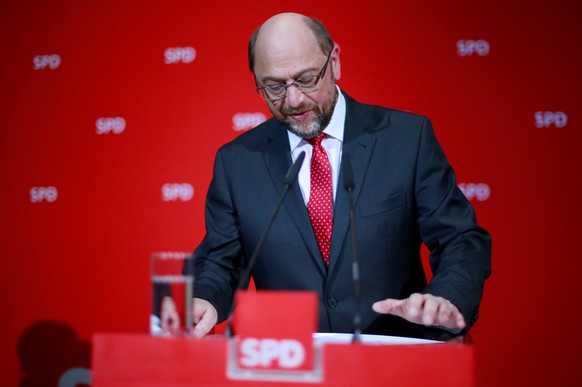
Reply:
x=335, y=61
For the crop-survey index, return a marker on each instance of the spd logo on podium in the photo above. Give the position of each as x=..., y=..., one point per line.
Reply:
x=274, y=337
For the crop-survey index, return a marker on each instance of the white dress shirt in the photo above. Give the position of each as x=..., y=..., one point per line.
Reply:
x=332, y=144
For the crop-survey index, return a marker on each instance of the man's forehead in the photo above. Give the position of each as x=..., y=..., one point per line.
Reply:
x=286, y=47
x=288, y=53
x=283, y=65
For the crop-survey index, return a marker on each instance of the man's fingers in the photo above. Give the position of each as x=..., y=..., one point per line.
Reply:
x=449, y=316
x=424, y=309
x=413, y=307
x=431, y=308
x=203, y=327
x=388, y=305
x=205, y=317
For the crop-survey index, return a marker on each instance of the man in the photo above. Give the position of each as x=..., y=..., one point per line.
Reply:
x=404, y=193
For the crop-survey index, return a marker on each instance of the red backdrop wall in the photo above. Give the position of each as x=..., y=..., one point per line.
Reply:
x=112, y=111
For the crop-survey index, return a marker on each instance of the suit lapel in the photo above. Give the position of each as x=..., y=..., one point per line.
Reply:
x=359, y=144
x=278, y=161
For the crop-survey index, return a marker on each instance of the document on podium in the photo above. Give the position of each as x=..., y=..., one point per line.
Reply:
x=346, y=338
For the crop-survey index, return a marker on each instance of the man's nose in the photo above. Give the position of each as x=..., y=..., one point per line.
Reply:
x=294, y=97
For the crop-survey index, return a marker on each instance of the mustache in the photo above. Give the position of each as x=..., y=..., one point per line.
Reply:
x=299, y=109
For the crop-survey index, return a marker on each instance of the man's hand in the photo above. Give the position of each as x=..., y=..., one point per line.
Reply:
x=169, y=315
x=205, y=317
x=424, y=309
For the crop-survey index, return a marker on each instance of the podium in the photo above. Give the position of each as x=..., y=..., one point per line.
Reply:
x=275, y=345
x=146, y=361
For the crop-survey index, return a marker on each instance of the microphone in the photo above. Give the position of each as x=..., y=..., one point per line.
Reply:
x=348, y=178
x=290, y=178
x=291, y=175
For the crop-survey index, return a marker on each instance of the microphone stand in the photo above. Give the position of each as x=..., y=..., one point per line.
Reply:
x=349, y=186
x=290, y=178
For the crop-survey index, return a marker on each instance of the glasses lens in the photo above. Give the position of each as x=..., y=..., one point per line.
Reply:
x=306, y=84
x=303, y=84
x=275, y=91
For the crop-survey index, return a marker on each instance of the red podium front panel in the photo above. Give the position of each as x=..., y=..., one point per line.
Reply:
x=145, y=361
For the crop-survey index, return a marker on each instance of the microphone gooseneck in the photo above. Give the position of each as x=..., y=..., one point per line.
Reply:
x=293, y=172
x=349, y=184
x=290, y=178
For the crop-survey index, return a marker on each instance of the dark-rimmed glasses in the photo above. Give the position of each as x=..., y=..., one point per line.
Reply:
x=305, y=84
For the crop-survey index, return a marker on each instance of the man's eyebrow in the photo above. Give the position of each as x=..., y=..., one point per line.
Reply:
x=294, y=76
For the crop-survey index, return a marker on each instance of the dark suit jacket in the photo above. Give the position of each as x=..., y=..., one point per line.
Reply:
x=405, y=193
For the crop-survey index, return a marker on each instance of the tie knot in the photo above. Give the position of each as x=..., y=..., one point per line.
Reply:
x=317, y=140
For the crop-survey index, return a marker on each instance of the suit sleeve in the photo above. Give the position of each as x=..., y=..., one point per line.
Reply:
x=460, y=250
x=217, y=259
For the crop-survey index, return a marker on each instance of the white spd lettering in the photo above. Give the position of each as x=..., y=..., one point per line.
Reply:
x=245, y=121
x=547, y=119
x=284, y=353
x=107, y=125
x=172, y=192
x=470, y=47
x=479, y=191
x=175, y=55
x=42, y=62
x=44, y=194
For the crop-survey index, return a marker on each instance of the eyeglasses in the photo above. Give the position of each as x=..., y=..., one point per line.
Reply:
x=305, y=84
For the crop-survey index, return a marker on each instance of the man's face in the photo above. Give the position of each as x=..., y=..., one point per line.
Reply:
x=285, y=60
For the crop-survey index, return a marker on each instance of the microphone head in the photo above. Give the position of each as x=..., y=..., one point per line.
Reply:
x=293, y=172
x=347, y=172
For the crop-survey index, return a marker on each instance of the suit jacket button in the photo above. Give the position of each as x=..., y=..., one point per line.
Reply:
x=331, y=302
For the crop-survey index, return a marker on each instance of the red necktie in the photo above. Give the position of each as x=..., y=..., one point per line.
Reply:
x=320, y=202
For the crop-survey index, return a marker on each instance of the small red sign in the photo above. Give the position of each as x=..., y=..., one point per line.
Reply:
x=275, y=330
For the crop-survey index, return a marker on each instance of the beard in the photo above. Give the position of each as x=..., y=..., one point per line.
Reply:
x=309, y=129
